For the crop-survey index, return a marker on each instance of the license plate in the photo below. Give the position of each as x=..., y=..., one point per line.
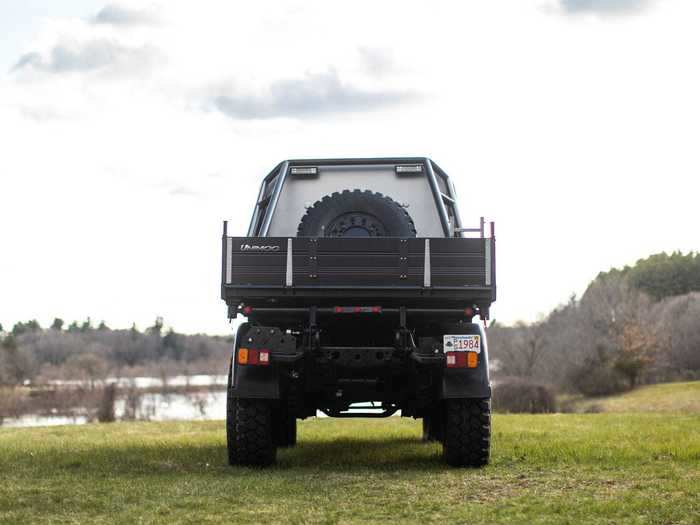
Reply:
x=462, y=343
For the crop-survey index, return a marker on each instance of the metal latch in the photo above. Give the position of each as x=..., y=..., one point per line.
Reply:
x=313, y=258
x=403, y=259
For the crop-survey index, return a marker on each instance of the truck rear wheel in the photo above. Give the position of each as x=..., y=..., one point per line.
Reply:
x=428, y=430
x=249, y=431
x=286, y=428
x=433, y=426
x=356, y=213
x=250, y=428
x=467, y=441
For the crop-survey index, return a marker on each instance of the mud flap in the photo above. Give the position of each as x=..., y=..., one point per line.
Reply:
x=259, y=382
x=461, y=383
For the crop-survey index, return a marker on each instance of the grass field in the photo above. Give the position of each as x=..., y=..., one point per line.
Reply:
x=666, y=397
x=588, y=468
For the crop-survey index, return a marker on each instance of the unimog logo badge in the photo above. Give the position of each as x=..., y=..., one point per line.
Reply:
x=259, y=248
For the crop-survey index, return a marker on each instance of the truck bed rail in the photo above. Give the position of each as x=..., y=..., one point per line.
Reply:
x=260, y=270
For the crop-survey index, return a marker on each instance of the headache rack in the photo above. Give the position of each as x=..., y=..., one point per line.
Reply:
x=389, y=271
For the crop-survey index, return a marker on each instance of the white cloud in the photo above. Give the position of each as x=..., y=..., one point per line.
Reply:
x=120, y=15
x=312, y=95
x=604, y=6
x=100, y=54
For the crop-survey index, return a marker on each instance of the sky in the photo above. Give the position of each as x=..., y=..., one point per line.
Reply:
x=130, y=131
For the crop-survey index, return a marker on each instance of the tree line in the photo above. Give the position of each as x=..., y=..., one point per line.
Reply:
x=28, y=351
x=639, y=324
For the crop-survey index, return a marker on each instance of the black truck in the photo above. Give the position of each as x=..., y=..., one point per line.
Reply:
x=359, y=286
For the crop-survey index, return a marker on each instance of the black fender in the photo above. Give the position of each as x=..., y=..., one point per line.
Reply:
x=460, y=383
x=252, y=382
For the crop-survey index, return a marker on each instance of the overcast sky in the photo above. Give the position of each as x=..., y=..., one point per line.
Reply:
x=130, y=131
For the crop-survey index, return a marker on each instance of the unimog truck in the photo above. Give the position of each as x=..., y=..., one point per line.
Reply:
x=360, y=288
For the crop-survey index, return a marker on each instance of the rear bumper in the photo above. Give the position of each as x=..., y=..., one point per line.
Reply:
x=309, y=377
x=339, y=376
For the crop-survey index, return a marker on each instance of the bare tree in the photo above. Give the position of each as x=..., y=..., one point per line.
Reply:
x=90, y=366
x=679, y=331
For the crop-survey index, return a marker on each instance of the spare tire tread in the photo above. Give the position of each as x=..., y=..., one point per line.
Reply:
x=325, y=206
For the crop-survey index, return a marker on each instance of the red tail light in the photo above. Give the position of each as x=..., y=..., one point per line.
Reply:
x=248, y=356
x=456, y=359
x=461, y=359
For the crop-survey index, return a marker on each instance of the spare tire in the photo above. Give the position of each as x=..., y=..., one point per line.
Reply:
x=356, y=213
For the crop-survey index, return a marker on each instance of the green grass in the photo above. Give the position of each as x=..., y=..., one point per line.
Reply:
x=665, y=397
x=595, y=468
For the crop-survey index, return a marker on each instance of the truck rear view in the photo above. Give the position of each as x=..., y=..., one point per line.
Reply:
x=359, y=286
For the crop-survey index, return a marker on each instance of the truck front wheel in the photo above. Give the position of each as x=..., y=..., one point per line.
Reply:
x=467, y=439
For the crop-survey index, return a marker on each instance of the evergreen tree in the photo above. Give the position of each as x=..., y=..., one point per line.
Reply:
x=24, y=328
x=157, y=327
x=9, y=343
x=660, y=275
x=86, y=326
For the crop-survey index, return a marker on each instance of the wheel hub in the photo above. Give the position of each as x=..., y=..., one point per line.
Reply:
x=355, y=225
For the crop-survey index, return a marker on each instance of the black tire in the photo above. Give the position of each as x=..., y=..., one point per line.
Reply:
x=249, y=432
x=356, y=213
x=432, y=427
x=286, y=428
x=249, y=429
x=467, y=440
x=427, y=434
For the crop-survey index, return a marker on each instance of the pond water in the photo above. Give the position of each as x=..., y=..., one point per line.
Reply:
x=204, y=405
x=150, y=406
x=149, y=382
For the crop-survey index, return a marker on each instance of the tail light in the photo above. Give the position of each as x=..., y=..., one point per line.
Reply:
x=252, y=357
x=248, y=356
x=462, y=359
x=451, y=359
